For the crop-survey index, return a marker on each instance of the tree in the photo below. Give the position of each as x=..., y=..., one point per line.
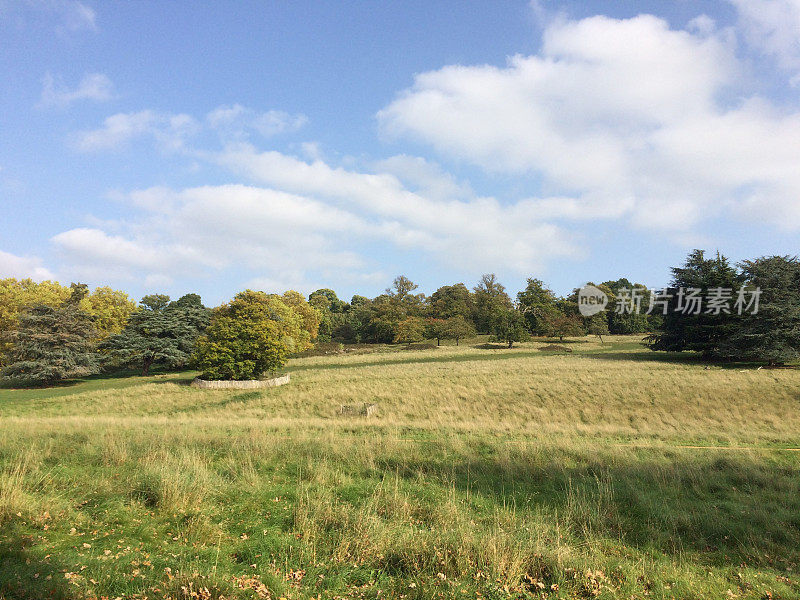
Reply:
x=685, y=329
x=626, y=323
x=456, y=328
x=53, y=344
x=772, y=333
x=160, y=332
x=16, y=295
x=309, y=316
x=563, y=325
x=451, y=301
x=252, y=334
x=110, y=308
x=327, y=297
x=410, y=330
x=436, y=329
x=401, y=303
x=490, y=300
x=508, y=325
x=330, y=311
x=598, y=325
x=538, y=304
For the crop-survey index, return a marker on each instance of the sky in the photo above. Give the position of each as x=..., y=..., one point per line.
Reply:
x=211, y=147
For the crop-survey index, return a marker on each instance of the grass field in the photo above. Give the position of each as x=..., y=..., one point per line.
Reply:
x=607, y=472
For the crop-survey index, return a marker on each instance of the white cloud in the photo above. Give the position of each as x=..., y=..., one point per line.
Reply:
x=481, y=232
x=172, y=131
x=23, y=267
x=93, y=86
x=424, y=177
x=169, y=131
x=313, y=223
x=624, y=118
x=773, y=27
x=236, y=121
x=208, y=230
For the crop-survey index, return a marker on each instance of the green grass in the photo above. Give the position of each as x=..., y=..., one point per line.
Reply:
x=486, y=473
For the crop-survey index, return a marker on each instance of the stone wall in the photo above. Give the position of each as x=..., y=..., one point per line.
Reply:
x=240, y=385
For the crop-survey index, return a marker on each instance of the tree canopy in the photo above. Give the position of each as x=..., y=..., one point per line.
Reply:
x=52, y=344
x=772, y=332
x=160, y=332
x=253, y=334
x=687, y=328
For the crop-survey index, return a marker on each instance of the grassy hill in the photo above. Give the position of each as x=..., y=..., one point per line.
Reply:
x=606, y=472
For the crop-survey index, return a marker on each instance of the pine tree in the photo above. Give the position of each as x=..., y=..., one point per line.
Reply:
x=772, y=333
x=52, y=344
x=703, y=332
x=160, y=332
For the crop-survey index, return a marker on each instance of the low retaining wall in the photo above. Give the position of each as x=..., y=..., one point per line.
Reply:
x=240, y=385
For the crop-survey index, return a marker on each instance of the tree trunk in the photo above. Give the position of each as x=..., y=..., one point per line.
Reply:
x=146, y=367
x=456, y=341
x=437, y=341
x=510, y=342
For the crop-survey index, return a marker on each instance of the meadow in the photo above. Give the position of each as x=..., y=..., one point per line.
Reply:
x=606, y=472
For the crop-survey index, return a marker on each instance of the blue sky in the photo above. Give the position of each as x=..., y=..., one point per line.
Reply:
x=210, y=147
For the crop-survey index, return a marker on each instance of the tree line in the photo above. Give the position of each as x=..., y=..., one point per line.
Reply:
x=50, y=332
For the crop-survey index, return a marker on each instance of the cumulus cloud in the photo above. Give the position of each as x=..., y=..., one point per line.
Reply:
x=482, y=232
x=623, y=118
x=312, y=222
x=93, y=86
x=619, y=119
x=206, y=231
x=22, y=267
x=424, y=176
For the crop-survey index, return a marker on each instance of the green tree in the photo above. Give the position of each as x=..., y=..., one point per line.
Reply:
x=309, y=316
x=251, y=335
x=436, y=329
x=598, y=325
x=772, y=333
x=160, y=332
x=561, y=325
x=490, y=301
x=537, y=303
x=327, y=297
x=508, y=325
x=627, y=323
x=110, y=308
x=52, y=344
x=687, y=329
x=410, y=330
x=457, y=327
x=451, y=301
x=400, y=300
